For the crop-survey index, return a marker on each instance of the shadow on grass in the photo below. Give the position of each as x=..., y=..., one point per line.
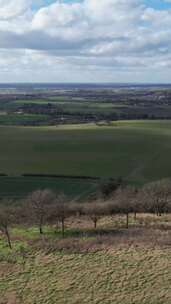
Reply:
x=121, y=232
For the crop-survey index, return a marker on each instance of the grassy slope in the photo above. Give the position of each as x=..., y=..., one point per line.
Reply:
x=20, y=186
x=120, y=273
x=120, y=276
x=138, y=151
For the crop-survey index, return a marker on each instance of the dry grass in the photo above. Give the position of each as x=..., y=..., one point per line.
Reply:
x=115, y=221
x=109, y=266
x=122, y=275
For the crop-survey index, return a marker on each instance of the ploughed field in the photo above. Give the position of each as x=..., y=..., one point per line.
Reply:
x=137, y=151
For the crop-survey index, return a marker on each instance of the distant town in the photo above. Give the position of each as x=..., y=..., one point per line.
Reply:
x=52, y=104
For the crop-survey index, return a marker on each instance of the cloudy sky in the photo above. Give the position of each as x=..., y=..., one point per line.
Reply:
x=85, y=41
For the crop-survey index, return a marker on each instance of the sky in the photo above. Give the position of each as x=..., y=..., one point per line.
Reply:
x=85, y=41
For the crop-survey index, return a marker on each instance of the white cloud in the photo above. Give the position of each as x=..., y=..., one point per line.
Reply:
x=121, y=37
x=13, y=8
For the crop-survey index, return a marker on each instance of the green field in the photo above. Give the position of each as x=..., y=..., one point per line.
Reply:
x=75, y=106
x=23, y=119
x=138, y=151
x=19, y=187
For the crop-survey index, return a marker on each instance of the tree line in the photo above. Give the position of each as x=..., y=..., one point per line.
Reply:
x=44, y=207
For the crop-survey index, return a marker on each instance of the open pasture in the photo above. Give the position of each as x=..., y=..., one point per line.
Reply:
x=138, y=151
x=19, y=187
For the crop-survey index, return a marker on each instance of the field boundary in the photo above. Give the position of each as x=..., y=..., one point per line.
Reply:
x=95, y=178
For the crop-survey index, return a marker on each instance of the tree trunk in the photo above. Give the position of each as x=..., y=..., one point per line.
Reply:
x=95, y=223
x=135, y=216
x=56, y=227
x=40, y=229
x=127, y=220
x=41, y=225
x=57, y=224
x=63, y=228
x=8, y=238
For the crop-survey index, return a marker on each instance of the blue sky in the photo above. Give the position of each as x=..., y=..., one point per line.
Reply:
x=41, y=3
x=157, y=4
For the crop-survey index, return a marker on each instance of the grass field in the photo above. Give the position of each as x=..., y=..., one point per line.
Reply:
x=138, y=151
x=76, y=106
x=127, y=276
x=22, y=119
x=19, y=187
x=123, y=272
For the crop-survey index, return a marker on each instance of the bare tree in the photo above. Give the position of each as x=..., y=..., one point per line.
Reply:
x=135, y=202
x=60, y=211
x=124, y=199
x=107, y=188
x=6, y=220
x=94, y=211
x=39, y=202
x=156, y=197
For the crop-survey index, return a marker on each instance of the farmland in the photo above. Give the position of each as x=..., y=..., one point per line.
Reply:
x=112, y=250
x=15, y=187
x=137, y=151
x=74, y=104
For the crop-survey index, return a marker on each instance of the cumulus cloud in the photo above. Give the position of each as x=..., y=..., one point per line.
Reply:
x=113, y=36
x=10, y=9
